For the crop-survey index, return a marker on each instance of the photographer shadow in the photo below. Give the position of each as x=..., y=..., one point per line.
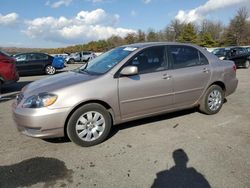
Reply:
x=179, y=176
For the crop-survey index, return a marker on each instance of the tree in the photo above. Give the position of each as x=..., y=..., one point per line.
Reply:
x=141, y=36
x=238, y=30
x=152, y=36
x=130, y=38
x=115, y=41
x=206, y=40
x=188, y=34
x=176, y=28
x=214, y=29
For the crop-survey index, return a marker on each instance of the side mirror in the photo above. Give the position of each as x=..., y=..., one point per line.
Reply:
x=129, y=71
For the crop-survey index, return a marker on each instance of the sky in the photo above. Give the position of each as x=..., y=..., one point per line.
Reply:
x=60, y=23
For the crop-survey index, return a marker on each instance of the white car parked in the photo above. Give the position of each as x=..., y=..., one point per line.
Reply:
x=80, y=57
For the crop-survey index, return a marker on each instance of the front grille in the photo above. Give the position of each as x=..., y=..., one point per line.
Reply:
x=19, y=98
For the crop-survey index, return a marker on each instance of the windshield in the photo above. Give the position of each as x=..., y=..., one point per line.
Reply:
x=107, y=61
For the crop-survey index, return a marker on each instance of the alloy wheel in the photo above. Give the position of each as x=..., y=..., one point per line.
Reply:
x=50, y=70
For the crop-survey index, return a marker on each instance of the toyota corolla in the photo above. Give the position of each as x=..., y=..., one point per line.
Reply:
x=126, y=83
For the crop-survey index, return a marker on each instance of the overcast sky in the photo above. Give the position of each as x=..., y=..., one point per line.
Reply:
x=58, y=23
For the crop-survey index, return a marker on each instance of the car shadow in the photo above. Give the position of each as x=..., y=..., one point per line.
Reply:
x=57, y=140
x=115, y=129
x=180, y=175
x=6, y=98
x=9, y=92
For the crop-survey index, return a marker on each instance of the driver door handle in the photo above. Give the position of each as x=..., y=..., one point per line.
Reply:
x=166, y=76
x=206, y=70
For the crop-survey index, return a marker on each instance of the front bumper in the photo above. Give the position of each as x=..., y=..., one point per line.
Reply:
x=40, y=122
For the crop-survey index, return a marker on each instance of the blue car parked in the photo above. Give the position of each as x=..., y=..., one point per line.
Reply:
x=37, y=63
x=58, y=62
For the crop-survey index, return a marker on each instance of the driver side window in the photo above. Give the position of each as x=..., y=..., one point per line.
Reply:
x=149, y=60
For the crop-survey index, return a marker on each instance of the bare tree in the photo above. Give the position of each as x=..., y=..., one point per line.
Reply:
x=238, y=31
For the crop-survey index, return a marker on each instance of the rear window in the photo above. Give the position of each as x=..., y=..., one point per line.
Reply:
x=241, y=51
x=4, y=53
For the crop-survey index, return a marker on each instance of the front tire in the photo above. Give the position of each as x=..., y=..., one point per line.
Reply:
x=89, y=125
x=212, y=100
x=50, y=70
x=247, y=64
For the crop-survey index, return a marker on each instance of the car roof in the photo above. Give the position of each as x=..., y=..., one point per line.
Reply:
x=31, y=53
x=148, y=44
x=229, y=47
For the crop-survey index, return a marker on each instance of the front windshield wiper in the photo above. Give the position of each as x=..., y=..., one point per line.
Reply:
x=83, y=71
x=86, y=65
x=80, y=70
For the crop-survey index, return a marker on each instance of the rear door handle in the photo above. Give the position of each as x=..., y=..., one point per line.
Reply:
x=166, y=76
x=206, y=70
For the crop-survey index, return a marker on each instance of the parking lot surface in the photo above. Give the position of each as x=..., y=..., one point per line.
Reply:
x=186, y=148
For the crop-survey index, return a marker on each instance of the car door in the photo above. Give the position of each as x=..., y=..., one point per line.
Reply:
x=236, y=56
x=150, y=91
x=190, y=73
x=36, y=62
x=21, y=63
x=242, y=55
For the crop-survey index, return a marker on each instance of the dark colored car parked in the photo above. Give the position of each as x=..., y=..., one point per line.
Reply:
x=37, y=63
x=239, y=55
x=248, y=49
x=8, y=72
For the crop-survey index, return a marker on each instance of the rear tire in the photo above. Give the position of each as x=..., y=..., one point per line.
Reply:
x=71, y=61
x=89, y=125
x=212, y=100
x=50, y=70
x=247, y=64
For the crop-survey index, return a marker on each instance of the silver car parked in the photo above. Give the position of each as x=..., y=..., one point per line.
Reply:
x=124, y=84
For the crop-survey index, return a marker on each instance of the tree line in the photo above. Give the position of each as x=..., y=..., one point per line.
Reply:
x=206, y=33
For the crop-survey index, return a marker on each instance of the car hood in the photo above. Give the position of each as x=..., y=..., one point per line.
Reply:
x=57, y=82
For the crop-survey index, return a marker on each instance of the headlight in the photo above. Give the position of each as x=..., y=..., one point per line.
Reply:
x=40, y=100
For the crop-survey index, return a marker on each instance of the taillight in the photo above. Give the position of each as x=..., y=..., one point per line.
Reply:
x=234, y=68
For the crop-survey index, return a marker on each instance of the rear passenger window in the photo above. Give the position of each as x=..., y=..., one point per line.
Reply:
x=186, y=56
x=41, y=56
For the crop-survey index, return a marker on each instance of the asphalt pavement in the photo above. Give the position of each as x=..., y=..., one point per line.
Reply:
x=181, y=149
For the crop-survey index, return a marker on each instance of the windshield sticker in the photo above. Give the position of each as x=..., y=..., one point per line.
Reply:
x=129, y=49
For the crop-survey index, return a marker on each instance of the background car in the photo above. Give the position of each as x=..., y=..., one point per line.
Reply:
x=8, y=72
x=80, y=57
x=37, y=63
x=239, y=55
x=64, y=56
x=248, y=49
